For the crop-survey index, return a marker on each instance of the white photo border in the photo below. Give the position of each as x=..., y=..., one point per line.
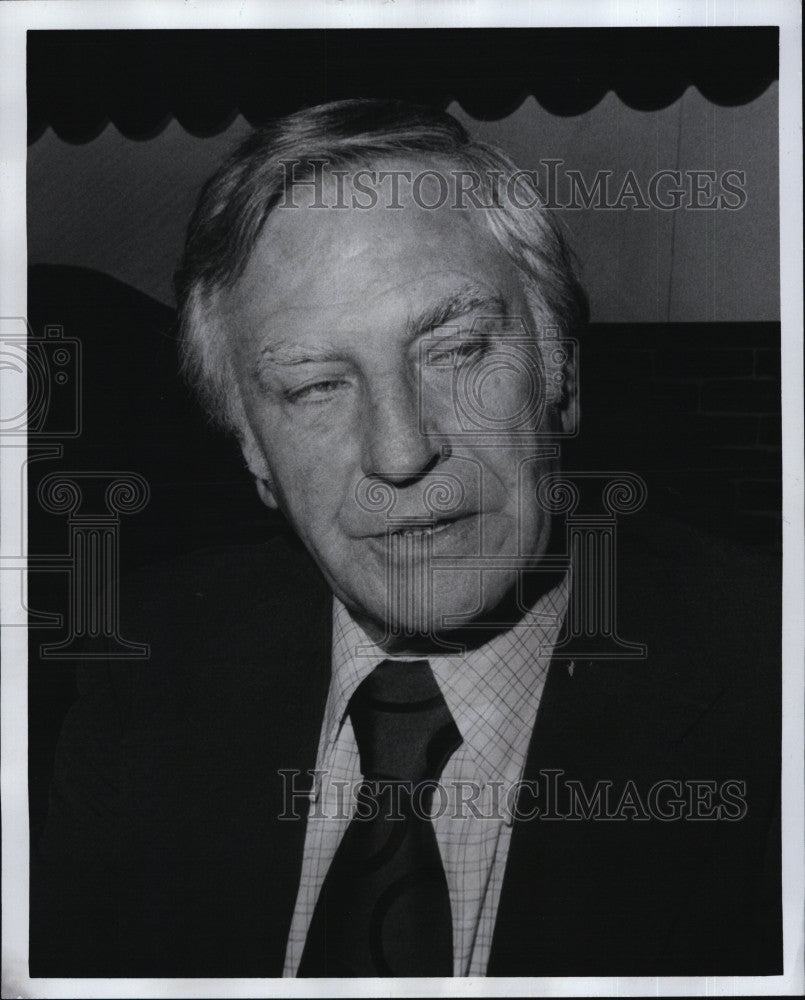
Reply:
x=15, y=20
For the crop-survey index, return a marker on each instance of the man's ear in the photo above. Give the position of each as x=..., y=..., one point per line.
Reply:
x=258, y=466
x=265, y=490
x=568, y=407
x=562, y=388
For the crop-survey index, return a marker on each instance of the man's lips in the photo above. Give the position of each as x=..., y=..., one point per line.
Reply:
x=418, y=525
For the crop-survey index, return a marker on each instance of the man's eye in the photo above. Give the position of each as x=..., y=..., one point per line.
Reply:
x=315, y=390
x=455, y=353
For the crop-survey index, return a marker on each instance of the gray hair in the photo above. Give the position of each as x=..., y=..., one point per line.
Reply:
x=237, y=200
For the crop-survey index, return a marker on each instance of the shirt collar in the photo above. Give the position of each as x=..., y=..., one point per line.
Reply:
x=493, y=692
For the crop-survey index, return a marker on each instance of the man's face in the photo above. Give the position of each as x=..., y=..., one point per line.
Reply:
x=361, y=426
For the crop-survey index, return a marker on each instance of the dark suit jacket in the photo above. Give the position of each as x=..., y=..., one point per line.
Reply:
x=163, y=854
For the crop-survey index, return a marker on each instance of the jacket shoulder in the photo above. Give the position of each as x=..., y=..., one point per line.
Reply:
x=217, y=624
x=724, y=585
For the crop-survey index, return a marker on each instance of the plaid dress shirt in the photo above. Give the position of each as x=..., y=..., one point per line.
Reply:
x=493, y=693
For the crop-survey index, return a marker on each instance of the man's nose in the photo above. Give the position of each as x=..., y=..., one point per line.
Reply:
x=399, y=441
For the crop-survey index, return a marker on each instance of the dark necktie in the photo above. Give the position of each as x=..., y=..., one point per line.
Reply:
x=384, y=908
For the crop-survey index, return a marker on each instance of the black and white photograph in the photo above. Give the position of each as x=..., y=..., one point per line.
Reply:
x=402, y=500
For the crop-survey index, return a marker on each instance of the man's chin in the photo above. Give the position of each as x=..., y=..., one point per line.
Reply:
x=453, y=613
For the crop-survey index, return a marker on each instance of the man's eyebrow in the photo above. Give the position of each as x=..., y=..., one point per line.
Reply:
x=469, y=299
x=286, y=354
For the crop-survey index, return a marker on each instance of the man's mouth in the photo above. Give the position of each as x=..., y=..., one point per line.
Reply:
x=419, y=529
x=439, y=526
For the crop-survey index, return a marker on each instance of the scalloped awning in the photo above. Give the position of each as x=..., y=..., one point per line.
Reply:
x=79, y=81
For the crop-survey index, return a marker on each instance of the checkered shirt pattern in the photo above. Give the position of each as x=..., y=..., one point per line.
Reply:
x=493, y=693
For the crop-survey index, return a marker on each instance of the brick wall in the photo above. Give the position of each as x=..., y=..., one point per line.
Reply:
x=695, y=408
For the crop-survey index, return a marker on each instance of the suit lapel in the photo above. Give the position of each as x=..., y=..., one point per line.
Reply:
x=276, y=729
x=570, y=882
x=242, y=755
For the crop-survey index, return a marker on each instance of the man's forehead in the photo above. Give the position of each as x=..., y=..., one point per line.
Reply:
x=317, y=261
x=329, y=223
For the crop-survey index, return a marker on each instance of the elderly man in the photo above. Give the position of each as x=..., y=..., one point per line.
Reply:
x=381, y=749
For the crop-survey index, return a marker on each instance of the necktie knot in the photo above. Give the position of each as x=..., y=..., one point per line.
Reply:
x=403, y=728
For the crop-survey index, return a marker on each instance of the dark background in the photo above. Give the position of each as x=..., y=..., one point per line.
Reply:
x=693, y=407
x=139, y=80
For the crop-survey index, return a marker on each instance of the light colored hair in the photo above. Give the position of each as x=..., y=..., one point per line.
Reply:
x=236, y=201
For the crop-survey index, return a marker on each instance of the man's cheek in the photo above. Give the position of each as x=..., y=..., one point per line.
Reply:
x=514, y=400
x=315, y=495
